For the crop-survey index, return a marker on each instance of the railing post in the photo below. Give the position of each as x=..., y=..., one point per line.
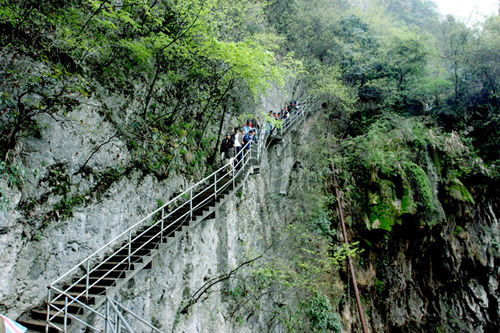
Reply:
x=129, y=248
x=215, y=185
x=259, y=146
x=234, y=168
x=106, y=323
x=161, y=224
x=49, y=298
x=87, y=280
x=65, y=313
x=191, y=204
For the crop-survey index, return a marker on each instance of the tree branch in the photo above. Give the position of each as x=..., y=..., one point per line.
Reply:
x=95, y=152
x=210, y=283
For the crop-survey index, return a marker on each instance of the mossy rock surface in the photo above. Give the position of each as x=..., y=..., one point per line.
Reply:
x=401, y=166
x=457, y=190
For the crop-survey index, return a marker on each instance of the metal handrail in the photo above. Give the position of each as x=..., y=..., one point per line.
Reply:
x=124, y=309
x=242, y=159
x=95, y=253
x=120, y=320
x=299, y=113
x=241, y=163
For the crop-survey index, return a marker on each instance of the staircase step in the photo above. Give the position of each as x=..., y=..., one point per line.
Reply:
x=181, y=212
x=179, y=220
x=145, y=242
x=36, y=325
x=42, y=315
x=84, y=299
x=170, y=232
x=139, y=252
x=97, y=289
x=150, y=233
x=146, y=238
x=119, y=258
x=147, y=229
x=104, y=281
x=115, y=266
x=205, y=197
x=72, y=308
x=112, y=274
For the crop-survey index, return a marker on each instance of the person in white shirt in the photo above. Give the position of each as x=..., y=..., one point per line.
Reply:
x=237, y=144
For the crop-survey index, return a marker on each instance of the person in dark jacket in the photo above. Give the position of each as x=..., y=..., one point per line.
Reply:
x=249, y=137
x=226, y=148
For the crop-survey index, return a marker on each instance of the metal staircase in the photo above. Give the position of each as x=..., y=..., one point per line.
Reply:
x=82, y=296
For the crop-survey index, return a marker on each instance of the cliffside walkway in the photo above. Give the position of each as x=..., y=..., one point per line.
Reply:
x=84, y=295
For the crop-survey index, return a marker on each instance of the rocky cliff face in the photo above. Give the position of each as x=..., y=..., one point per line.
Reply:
x=42, y=238
x=58, y=218
x=444, y=280
x=412, y=279
x=245, y=227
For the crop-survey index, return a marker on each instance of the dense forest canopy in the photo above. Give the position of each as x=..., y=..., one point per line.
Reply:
x=371, y=56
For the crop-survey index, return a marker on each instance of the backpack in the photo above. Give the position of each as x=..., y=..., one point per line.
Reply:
x=246, y=139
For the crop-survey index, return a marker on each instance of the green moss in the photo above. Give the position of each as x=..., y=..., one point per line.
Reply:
x=399, y=165
x=436, y=161
x=379, y=286
x=408, y=205
x=382, y=216
x=457, y=190
x=383, y=212
x=426, y=202
x=458, y=230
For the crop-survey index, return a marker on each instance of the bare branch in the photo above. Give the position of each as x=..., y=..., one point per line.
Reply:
x=210, y=283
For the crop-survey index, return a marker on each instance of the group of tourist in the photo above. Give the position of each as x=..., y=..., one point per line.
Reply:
x=285, y=112
x=234, y=146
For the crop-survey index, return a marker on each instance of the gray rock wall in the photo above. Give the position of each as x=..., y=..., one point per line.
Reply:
x=36, y=250
x=244, y=227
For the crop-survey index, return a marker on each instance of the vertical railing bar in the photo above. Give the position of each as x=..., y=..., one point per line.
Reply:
x=65, y=314
x=87, y=280
x=115, y=321
x=129, y=249
x=106, y=324
x=161, y=225
x=191, y=204
x=49, y=299
x=215, y=185
x=233, y=168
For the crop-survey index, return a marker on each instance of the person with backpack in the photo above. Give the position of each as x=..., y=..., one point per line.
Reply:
x=247, y=127
x=247, y=139
x=227, y=148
